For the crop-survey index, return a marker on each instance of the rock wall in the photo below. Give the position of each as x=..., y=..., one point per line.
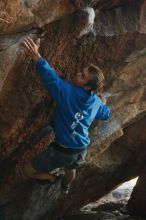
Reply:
x=116, y=42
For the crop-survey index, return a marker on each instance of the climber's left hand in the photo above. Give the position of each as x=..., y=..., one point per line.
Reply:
x=32, y=47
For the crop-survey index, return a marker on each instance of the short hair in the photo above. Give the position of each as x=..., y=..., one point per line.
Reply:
x=97, y=81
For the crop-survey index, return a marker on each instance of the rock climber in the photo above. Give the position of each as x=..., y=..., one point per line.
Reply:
x=77, y=105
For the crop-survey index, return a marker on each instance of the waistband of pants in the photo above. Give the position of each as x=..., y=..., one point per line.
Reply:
x=67, y=150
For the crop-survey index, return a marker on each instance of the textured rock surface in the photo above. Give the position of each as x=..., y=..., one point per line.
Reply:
x=117, y=43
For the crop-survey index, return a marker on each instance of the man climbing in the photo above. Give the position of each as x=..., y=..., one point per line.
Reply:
x=77, y=105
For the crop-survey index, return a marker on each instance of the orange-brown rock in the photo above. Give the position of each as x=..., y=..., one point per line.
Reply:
x=70, y=40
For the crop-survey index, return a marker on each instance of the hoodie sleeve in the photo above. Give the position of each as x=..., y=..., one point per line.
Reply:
x=103, y=112
x=56, y=87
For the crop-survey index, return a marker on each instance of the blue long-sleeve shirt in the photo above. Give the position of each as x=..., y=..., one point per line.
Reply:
x=76, y=108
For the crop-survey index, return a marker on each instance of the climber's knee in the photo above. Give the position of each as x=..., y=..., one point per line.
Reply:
x=71, y=173
x=69, y=176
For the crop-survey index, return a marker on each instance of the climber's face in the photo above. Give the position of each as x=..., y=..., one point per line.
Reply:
x=82, y=78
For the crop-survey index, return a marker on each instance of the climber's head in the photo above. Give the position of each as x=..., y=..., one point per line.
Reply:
x=91, y=78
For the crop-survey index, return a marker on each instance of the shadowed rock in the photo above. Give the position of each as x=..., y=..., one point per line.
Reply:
x=71, y=38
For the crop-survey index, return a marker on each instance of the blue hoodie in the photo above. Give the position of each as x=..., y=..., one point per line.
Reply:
x=76, y=108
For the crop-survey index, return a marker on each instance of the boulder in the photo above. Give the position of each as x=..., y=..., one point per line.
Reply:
x=110, y=34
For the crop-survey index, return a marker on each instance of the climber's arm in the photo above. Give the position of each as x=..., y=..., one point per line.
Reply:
x=57, y=87
x=103, y=112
